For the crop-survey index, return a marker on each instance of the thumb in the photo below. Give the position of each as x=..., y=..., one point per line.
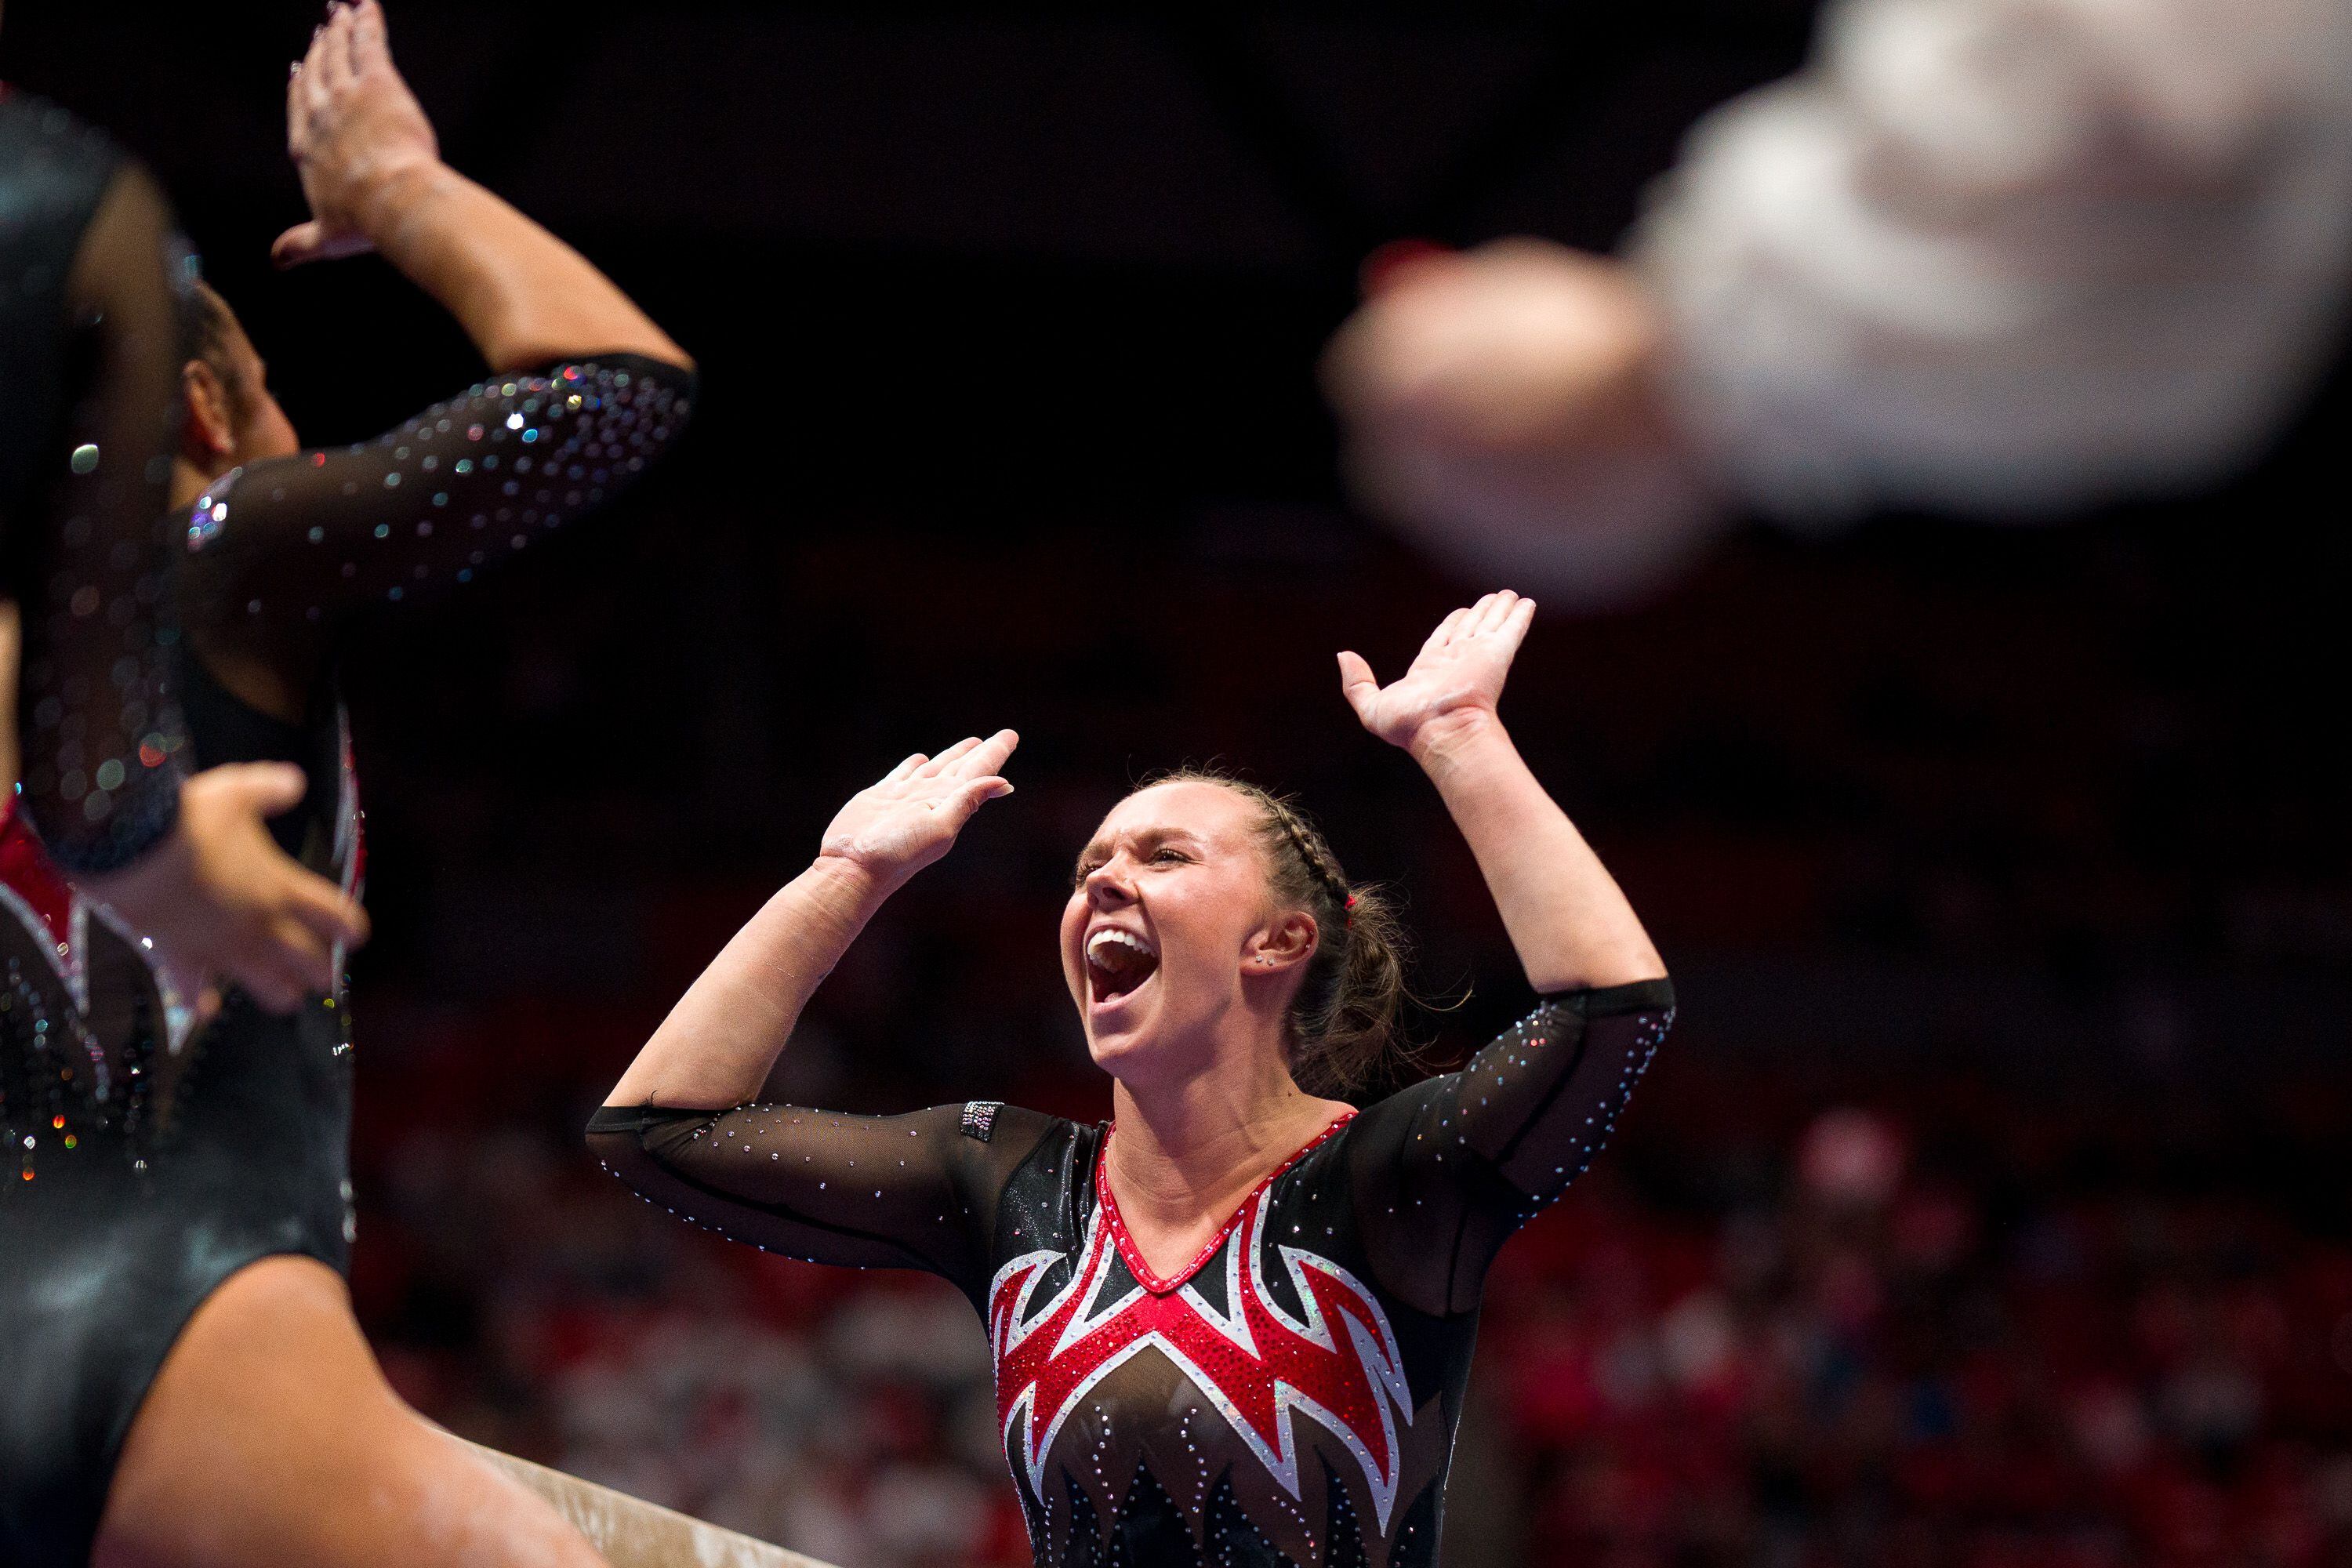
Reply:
x=268, y=788
x=1357, y=685
x=303, y=242
x=973, y=795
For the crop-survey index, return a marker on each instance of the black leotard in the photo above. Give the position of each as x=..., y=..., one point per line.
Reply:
x=92, y=335
x=1291, y=1397
x=230, y=1144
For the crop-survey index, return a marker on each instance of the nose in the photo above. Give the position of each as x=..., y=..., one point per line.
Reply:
x=1108, y=887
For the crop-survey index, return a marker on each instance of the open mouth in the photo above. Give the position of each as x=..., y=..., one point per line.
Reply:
x=1117, y=963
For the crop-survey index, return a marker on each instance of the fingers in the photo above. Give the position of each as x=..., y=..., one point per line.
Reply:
x=287, y=964
x=305, y=964
x=337, y=47
x=1515, y=626
x=1492, y=611
x=1358, y=686
x=314, y=81
x=975, y=793
x=288, y=960
x=939, y=765
x=289, y=953
x=371, y=47
x=914, y=760
x=990, y=755
x=264, y=788
x=303, y=242
x=972, y=755
x=298, y=114
x=324, y=909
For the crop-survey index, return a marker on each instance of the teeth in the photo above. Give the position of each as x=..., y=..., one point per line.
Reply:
x=1111, y=937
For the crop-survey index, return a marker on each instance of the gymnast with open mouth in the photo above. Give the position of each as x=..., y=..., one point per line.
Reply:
x=1234, y=1323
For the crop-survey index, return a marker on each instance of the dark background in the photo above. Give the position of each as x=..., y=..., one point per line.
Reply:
x=2031, y=843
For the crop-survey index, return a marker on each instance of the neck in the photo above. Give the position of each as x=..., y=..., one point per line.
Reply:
x=1201, y=1141
x=189, y=482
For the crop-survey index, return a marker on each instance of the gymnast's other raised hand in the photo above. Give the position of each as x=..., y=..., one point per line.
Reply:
x=1573, y=927
x=895, y=827
x=1455, y=684
x=357, y=135
x=719, y=1044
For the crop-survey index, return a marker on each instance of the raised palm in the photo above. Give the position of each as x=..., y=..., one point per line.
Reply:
x=898, y=826
x=1457, y=677
x=352, y=126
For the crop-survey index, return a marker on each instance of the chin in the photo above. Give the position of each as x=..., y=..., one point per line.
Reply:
x=1133, y=1053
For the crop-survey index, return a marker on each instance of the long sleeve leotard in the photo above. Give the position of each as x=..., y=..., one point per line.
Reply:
x=281, y=554
x=1291, y=1397
x=230, y=1144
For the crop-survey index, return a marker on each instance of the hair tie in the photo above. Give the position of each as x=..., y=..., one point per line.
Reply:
x=1347, y=922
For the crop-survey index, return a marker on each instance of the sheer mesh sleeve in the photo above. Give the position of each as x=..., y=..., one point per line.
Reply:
x=103, y=748
x=281, y=551
x=1446, y=1170
x=918, y=1191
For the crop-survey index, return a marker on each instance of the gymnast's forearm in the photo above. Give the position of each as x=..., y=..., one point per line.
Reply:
x=525, y=296
x=1571, y=923
x=719, y=1043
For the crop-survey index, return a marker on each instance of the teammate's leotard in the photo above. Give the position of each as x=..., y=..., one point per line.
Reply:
x=1291, y=1397
x=91, y=280
x=215, y=1148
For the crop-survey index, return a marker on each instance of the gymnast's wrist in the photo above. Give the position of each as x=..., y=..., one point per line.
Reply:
x=1443, y=744
x=396, y=202
x=850, y=883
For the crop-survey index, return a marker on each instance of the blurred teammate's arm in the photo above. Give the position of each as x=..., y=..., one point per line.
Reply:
x=1998, y=256
x=2010, y=255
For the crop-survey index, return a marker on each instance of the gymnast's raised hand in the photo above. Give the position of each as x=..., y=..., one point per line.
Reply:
x=895, y=827
x=357, y=136
x=1455, y=683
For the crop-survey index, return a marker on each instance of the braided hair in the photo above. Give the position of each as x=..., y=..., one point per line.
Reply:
x=1343, y=1031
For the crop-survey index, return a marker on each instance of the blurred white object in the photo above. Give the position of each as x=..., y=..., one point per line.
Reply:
x=2011, y=257
x=1998, y=257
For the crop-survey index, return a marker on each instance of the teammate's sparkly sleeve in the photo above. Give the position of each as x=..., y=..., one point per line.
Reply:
x=1446, y=1170
x=918, y=1191
x=279, y=551
x=103, y=760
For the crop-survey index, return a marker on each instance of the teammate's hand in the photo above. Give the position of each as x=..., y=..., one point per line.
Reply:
x=894, y=828
x=356, y=133
x=1502, y=407
x=1454, y=684
x=219, y=898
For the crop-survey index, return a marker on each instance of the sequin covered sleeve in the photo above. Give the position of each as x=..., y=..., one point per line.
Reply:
x=918, y=1191
x=281, y=551
x=102, y=758
x=1446, y=1170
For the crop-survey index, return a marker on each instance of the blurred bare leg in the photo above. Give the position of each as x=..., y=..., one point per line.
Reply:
x=271, y=1436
